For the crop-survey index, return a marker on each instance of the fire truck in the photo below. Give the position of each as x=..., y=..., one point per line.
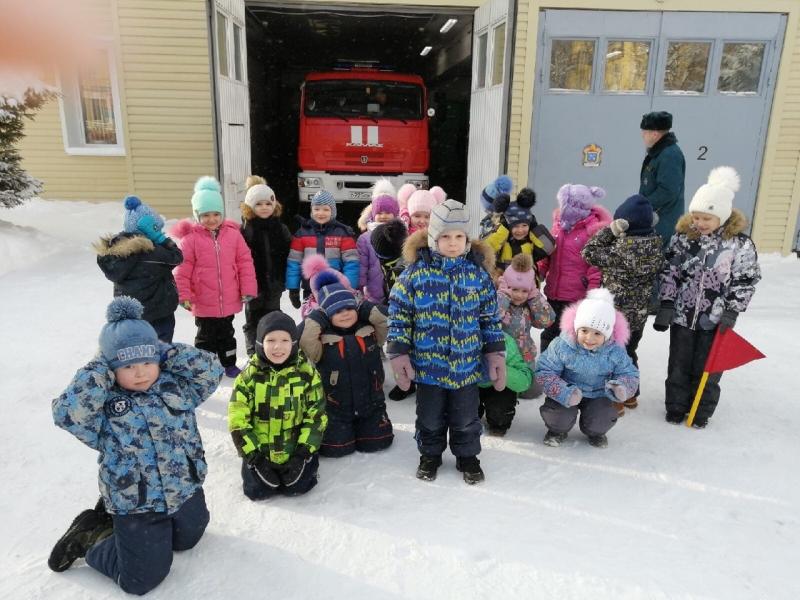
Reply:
x=358, y=125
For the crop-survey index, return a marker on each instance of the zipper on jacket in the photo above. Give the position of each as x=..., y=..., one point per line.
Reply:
x=214, y=235
x=699, y=297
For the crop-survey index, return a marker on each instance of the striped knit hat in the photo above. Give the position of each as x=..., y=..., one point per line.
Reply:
x=450, y=215
x=332, y=296
x=324, y=198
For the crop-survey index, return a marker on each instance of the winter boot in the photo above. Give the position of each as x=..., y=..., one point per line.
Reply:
x=470, y=466
x=674, y=417
x=428, y=465
x=620, y=408
x=397, y=394
x=632, y=402
x=496, y=431
x=553, y=439
x=700, y=423
x=88, y=528
x=598, y=441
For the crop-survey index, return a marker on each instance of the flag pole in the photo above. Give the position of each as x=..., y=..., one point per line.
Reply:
x=697, y=396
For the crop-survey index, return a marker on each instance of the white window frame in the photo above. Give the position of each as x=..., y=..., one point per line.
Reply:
x=72, y=125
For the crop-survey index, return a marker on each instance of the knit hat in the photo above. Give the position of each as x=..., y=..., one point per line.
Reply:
x=332, y=296
x=515, y=214
x=126, y=339
x=383, y=187
x=656, y=121
x=501, y=185
x=450, y=215
x=275, y=321
x=385, y=204
x=716, y=196
x=387, y=239
x=575, y=202
x=422, y=201
x=638, y=212
x=324, y=198
x=520, y=274
x=207, y=197
x=258, y=193
x=135, y=209
x=596, y=311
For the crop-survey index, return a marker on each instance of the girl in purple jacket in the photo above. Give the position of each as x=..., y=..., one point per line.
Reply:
x=384, y=208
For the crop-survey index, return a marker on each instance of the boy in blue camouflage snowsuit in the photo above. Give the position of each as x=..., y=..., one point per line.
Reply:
x=134, y=403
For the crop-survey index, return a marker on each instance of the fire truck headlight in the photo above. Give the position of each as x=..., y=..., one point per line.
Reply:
x=308, y=181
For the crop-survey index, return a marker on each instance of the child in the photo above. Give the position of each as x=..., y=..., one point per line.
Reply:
x=586, y=369
x=276, y=415
x=321, y=234
x=139, y=261
x=383, y=208
x=343, y=338
x=312, y=266
x=268, y=240
x=442, y=321
x=217, y=274
x=416, y=206
x=500, y=405
x=521, y=307
x=567, y=276
x=387, y=241
x=498, y=190
x=629, y=253
x=709, y=278
x=134, y=403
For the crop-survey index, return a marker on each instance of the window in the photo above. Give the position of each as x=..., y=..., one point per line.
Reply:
x=498, y=53
x=222, y=44
x=687, y=65
x=237, y=52
x=571, y=63
x=626, y=66
x=480, y=76
x=740, y=68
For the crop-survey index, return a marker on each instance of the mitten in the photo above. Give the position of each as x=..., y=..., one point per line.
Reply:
x=619, y=391
x=148, y=226
x=186, y=304
x=403, y=371
x=247, y=298
x=262, y=467
x=664, y=316
x=294, y=297
x=496, y=367
x=575, y=397
x=294, y=467
x=727, y=320
x=619, y=227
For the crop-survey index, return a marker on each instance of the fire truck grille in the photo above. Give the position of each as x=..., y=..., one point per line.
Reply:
x=359, y=160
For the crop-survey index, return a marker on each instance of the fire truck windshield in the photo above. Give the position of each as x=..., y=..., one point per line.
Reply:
x=350, y=99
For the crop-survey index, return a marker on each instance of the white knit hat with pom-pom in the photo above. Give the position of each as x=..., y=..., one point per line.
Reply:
x=596, y=311
x=716, y=196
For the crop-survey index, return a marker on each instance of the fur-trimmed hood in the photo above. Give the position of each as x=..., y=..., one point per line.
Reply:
x=419, y=240
x=122, y=245
x=735, y=225
x=186, y=226
x=599, y=217
x=620, y=335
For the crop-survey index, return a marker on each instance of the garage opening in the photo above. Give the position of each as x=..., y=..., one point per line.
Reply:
x=284, y=45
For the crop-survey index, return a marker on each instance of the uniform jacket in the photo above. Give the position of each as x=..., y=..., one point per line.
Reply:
x=630, y=266
x=567, y=275
x=141, y=269
x=268, y=240
x=443, y=313
x=333, y=240
x=217, y=269
x=519, y=373
x=662, y=182
x=707, y=274
x=517, y=321
x=565, y=365
x=151, y=455
x=370, y=270
x=273, y=410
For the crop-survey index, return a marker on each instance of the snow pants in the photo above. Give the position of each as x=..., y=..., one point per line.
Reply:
x=255, y=489
x=500, y=407
x=598, y=415
x=138, y=555
x=254, y=311
x=165, y=328
x=688, y=350
x=553, y=330
x=216, y=335
x=347, y=433
x=440, y=410
x=630, y=348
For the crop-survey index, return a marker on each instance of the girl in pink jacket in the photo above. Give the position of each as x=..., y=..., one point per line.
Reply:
x=567, y=276
x=217, y=274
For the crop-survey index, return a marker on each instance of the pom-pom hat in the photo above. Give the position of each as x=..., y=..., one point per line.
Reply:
x=135, y=209
x=331, y=295
x=499, y=186
x=597, y=312
x=716, y=196
x=126, y=338
x=207, y=197
x=520, y=274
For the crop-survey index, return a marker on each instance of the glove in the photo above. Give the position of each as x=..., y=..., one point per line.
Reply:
x=294, y=467
x=247, y=298
x=727, y=320
x=403, y=371
x=619, y=227
x=619, y=391
x=186, y=304
x=496, y=366
x=575, y=397
x=148, y=226
x=294, y=296
x=664, y=316
x=262, y=467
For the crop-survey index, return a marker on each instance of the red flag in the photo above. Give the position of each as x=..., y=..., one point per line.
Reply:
x=730, y=350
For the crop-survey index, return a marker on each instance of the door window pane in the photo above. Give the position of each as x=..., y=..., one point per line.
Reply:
x=740, y=68
x=498, y=53
x=237, y=52
x=687, y=64
x=571, y=64
x=481, y=74
x=626, y=66
x=97, y=103
x=222, y=44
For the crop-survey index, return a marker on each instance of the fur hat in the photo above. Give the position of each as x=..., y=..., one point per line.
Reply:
x=260, y=192
x=716, y=196
x=275, y=321
x=575, y=202
x=207, y=197
x=127, y=339
x=450, y=215
x=331, y=295
x=501, y=185
x=597, y=312
x=656, y=121
x=516, y=214
x=422, y=201
x=520, y=274
x=638, y=212
x=324, y=198
x=135, y=209
x=387, y=239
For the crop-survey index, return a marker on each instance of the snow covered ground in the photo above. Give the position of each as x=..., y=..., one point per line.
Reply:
x=663, y=512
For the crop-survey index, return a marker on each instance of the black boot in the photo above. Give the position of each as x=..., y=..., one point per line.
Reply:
x=397, y=394
x=598, y=441
x=428, y=465
x=470, y=466
x=553, y=439
x=88, y=528
x=674, y=417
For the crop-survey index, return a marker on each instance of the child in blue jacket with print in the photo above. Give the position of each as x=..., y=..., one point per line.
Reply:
x=134, y=403
x=586, y=369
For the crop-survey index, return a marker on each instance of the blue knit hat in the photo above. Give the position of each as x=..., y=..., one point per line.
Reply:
x=135, y=209
x=207, y=197
x=126, y=339
x=501, y=185
x=324, y=198
x=638, y=212
x=332, y=296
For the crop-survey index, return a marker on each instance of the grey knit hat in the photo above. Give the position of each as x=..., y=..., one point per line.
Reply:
x=324, y=198
x=450, y=215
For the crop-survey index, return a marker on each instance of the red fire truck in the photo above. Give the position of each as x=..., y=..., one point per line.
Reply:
x=358, y=125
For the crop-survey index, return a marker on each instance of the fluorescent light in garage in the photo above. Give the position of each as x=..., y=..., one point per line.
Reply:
x=448, y=25
x=425, y=50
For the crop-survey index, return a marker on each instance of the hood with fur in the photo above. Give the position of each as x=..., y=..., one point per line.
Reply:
x=419, y=240
x=122, y=246
x=735, y=225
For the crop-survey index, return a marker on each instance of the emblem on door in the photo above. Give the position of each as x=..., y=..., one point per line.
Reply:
x=364, y=159
x=592, y=155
